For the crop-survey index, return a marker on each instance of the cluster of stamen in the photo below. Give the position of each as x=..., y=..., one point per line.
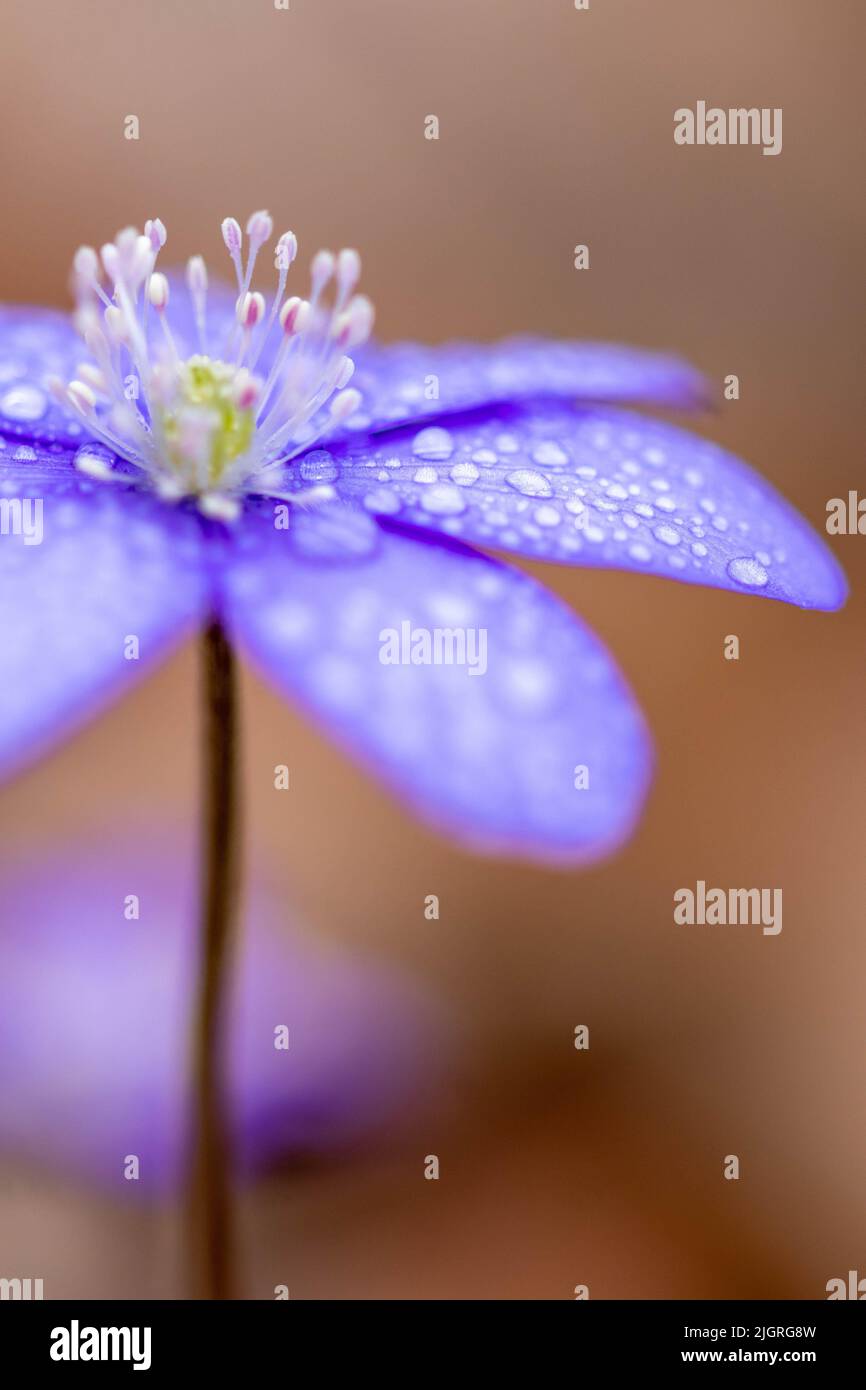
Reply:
x=211, y=425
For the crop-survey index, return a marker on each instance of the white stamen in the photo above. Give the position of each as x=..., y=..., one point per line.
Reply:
x=233, y=239
x=196, y=279
x=321, y=270
x=158, y=292
x=250, y=310
x=92, y=377
x=345, y=404
x=287, y=250
x=246, y=389
x=115, y=326
x=260, y=228
x=209, y=426
x=155, y=232
x=81, y=397
x=348, y=274
x=232, y=235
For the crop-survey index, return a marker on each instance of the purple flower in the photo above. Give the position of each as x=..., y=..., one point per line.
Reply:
x=209, y=458
x=94, y=1023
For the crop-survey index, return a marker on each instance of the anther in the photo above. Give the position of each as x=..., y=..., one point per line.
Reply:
x=260, y=229
x=81, y=396
x=155, y=231
x=157, y=292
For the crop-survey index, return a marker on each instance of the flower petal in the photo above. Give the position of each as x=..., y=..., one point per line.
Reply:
x=95, y=1022
x=404, y=382
x=594, y=486
x=487, y=747
x=111, y=564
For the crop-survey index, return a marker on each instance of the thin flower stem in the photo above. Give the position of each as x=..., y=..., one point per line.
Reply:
x=210, y=1200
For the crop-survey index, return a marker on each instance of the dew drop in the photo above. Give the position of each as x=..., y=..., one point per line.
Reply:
x=748, y=572
x=465, y=474
x=444, y=500
x=319, y=467
x=530, y=483
x=549, y=454
x=547, y=516
x=382, y=500
x=506, y=444
x=667, y=535
x=24, y=402
x=433, y=443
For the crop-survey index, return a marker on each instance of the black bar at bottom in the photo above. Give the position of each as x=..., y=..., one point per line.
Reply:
x=156, y=1338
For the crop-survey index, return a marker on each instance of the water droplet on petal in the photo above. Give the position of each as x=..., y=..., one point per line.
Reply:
x=24, y=403
x=465, y=474
x=319, y=467
x=547, y=516
x=444, y=500
x=433, y=443
x=382, y=500
x=667, y=535
x=549, y=454
x=748, y=572
x=530, y=483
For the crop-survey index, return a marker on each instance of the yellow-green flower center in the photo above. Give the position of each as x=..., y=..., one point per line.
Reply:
x=204, y=421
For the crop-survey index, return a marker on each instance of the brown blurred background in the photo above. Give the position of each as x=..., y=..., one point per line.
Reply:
x=558, y=1167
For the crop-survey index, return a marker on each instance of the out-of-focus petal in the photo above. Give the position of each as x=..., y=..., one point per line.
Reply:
x=594, y=486
x=488, y=747
x=97, y=582
x=404, y=382
x=95, y=1018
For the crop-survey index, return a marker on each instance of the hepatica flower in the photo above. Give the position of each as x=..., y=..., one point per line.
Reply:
x=202, y=454
x=183, y=458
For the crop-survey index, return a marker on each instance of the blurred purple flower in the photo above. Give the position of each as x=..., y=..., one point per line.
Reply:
x=167, y=496
x=94, y=1015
